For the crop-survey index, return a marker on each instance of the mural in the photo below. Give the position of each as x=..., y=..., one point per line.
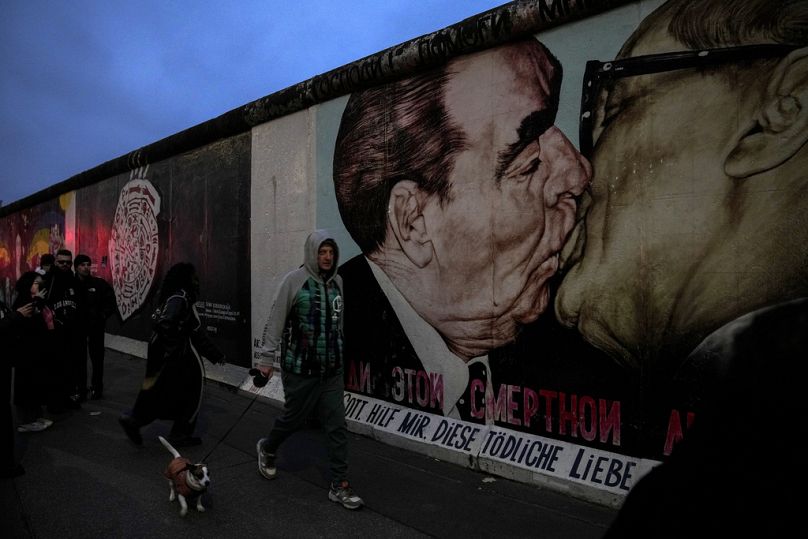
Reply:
x=696, y=211
x=191, y=208
x=133, y=243
x=563, y=297
x=568, y=307
x=28, y=234
x=460, y=224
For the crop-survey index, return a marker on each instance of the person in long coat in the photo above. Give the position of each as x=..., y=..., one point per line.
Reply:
x=175, y=374
x=37, y=375
x=10, y=321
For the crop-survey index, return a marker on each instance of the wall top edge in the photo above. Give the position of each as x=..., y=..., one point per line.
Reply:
x=494, y=27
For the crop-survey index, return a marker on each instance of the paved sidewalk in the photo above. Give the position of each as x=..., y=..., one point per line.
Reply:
x=86, y=480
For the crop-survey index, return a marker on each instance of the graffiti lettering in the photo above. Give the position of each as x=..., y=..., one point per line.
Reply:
x=455, y=435
x=565, y=414
x=381, y=415
x=451, y=42
x=549, y=10
x=521, y=450
x=354, y=407
x=675, y=430
x=414, y=424
x=418, y=386
x=359, y=377
x=603, y=470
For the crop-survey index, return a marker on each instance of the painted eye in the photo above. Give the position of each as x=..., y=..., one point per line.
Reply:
x=531, y=167
x=525, y=165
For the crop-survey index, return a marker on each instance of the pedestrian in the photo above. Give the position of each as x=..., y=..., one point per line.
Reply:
x=45, y=263
x=97, y=303
x=10, y=321
x=34, y=354
x=63, y=299
x=175, y=374
x=304, y=334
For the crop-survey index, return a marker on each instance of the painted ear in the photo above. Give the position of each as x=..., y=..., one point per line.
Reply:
x=781, y=127
x=404, y=213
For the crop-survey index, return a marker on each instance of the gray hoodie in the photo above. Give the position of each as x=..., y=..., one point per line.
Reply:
x=288, y=292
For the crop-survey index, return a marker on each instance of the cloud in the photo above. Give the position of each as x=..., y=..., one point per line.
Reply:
x=86, y=81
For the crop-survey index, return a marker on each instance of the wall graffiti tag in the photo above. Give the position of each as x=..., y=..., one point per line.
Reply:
x=133, y=244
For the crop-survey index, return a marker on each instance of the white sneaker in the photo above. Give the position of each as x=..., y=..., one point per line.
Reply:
x=343, y=493
x=33, y=426
x=266, y=462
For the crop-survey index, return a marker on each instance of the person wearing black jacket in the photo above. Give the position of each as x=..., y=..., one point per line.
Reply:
x=175, y=374
x=97, y=303
x=35, y=356
x=63, y=299
x=10, y=322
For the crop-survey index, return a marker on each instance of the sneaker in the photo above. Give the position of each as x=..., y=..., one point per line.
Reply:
x=266, y=462
x=342, y=493
x=33, y=426
x=131, y=428
x=45, y=421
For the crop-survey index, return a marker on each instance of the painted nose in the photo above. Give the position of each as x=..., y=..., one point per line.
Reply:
x=569, y=172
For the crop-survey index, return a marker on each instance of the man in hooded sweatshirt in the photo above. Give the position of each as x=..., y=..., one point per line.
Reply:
x=304, y=334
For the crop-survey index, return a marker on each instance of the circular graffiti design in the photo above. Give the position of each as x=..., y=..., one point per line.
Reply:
x=133, y=245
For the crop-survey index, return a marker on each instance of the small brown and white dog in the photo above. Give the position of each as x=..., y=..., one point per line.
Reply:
x=186, y=479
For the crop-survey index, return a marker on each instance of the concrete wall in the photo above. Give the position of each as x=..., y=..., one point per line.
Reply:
x=553, y=312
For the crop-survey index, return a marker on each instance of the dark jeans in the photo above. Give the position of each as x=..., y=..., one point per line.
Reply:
x=307, y=394
x=92, y=340
x=7, y=461
x=62, y=376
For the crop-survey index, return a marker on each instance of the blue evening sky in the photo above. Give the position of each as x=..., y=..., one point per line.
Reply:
x=86, y=81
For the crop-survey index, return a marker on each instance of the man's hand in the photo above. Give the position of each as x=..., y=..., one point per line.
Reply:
x=266, y=372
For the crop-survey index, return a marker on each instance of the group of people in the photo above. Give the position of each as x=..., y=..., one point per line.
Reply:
x=303, y=336
x=56, y=318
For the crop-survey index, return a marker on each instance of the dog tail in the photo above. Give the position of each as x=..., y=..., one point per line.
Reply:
x=169, y=447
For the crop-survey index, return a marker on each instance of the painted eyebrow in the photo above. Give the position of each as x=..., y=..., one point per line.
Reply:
x=532, y=127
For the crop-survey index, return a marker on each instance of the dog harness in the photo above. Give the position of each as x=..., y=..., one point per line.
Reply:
x=177, y=472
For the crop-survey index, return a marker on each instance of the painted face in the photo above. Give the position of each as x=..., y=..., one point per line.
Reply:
x=325, y=258
x=512, y=199
x=83, y=269
x=673, y=247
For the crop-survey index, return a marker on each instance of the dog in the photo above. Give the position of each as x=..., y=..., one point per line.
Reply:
x=186, y=479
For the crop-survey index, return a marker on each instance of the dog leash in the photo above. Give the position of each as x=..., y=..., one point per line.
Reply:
x=259, y=381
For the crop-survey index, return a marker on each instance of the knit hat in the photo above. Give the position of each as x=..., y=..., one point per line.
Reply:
x=81, y=259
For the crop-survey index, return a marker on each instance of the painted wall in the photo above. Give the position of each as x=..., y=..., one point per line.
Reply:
x=30, y=233
x=193, y=207
x=543, y=298
x=550, y=301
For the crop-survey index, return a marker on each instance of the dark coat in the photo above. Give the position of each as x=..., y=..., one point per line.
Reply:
x=35, y=358
x=172, y=388
x=97, y=301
